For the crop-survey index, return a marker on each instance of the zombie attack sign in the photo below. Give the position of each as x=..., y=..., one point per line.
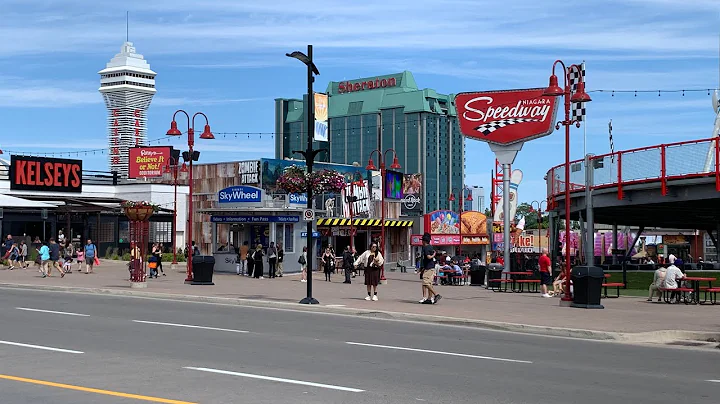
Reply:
x=29, y=173
x=146, y=162
x=506, y=117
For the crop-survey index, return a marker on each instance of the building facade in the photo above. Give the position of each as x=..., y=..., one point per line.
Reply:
x=384, y=112
x=127, y=85
x=478, y=198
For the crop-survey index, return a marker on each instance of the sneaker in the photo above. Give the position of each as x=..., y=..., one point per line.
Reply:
x=427, y=301
x=375, y=298
x=368, y=298
x=303, y=281
x=422, y=300
x=262, y=277
x=546, y=295
x=649, y=300
x=437, y=299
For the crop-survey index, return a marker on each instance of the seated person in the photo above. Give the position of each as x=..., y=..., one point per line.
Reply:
x=446, y=269
x=559, y=284
x=457, y=271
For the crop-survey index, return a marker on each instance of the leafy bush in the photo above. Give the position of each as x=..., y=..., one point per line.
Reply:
x=115, y=257
x=168, y=257
x=126, y=256
x=108, y=252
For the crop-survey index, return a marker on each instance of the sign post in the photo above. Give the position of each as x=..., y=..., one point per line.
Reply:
x=505, y=120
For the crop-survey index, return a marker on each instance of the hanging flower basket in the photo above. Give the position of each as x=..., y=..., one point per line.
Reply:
x=139, y=211
x=295, y=180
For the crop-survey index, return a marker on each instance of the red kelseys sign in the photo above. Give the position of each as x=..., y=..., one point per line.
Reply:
x=30, y=173
x=348, y=87
x=506, y=117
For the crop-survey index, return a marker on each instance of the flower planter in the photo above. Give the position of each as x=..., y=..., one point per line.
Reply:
x=139, y=213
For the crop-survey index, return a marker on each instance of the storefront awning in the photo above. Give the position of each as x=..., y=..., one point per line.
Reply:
x=363, y=222
x=7, y=201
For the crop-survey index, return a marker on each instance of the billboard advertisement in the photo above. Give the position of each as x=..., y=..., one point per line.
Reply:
x=473, y=223
x=30, y=173
x=272, y=169
x=393, y=185
x=515, y=180
x=507, y=116
x=147, y=162
x=412, y=189
x=442, y=222
x=321, y=117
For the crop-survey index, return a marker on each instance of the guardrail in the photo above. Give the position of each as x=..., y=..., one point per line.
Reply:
x=660, y=163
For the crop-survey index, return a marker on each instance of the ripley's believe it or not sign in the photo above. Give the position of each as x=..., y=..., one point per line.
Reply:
x=506, y=117
x=30, y=173
x=147, y=162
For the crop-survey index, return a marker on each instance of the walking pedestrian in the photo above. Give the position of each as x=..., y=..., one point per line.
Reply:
x=272, y=259
x=54, y=258
x=80, y=258
x=371, y=260
x=14, y=256
x=23, y=254
x=160, y=251
x=44, y=256
x=250, y=262
x=280, y=257
x=258, y=259
x=348, y=261
x=545, y=272
x=427, y=273
x=244, y=249
x=68, y=253
x=302, y=260
x=90, y=255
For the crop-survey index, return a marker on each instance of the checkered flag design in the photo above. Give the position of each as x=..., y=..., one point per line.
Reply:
x=612, y=145
x=490, y=127
x=577, y=109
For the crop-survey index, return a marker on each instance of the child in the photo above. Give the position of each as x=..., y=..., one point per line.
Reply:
x=80, y=258
x=67, y=265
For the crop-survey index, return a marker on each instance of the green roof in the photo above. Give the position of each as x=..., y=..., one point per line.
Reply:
x=371, y=94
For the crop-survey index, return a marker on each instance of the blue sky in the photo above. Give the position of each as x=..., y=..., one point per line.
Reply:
x=226, y=58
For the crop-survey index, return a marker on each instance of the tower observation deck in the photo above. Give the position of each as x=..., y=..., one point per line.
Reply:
x=127, y=85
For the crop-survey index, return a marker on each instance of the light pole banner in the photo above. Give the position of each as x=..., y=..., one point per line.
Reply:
x=321, y=117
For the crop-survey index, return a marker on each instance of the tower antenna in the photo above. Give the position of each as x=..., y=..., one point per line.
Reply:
x=127, y=26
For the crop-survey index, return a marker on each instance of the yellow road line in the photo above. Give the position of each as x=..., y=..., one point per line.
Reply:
x=91, y=390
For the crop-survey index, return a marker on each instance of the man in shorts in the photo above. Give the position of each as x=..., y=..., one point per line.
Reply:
x=90, y=254
x=545, y=272
x=428, y=272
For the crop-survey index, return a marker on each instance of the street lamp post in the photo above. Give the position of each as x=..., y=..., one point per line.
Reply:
x=309, y=155
x=460, y=209
x=371, y=167
x=578, y=96
x=193, y=155
x=172, y=168
x=539, y=211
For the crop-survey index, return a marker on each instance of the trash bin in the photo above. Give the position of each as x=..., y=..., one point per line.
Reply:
x=203, y=268
x=587, y=286
x=494, y=271
x=477, y=273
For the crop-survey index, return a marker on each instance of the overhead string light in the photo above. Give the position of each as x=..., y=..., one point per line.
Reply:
x=659, y=92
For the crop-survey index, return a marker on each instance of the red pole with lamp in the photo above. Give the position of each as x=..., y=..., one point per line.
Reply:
x=371, y=167
x=579, y=96
x=206, y=134
x=539, y=212
x=172, y=168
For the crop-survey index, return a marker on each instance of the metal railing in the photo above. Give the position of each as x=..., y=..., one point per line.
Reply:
x=660, y=163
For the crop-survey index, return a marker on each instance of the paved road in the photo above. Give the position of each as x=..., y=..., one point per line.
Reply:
x=144, y=347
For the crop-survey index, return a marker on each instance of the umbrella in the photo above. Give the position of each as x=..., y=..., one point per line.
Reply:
x=641, y=254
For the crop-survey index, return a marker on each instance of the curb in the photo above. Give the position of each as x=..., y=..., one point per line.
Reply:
x=661, y=336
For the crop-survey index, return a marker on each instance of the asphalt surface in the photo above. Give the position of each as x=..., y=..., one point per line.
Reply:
x=144, y=347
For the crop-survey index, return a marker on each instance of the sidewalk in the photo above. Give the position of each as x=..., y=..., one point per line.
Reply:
x=471, y=305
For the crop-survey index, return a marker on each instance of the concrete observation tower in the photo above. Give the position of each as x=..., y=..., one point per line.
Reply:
x=127, y=85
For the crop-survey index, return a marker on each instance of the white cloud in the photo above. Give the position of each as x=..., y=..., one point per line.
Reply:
x=47, y=97
x=177, y=101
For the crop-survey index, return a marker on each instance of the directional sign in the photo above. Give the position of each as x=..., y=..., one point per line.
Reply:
x=315, y=234
x=308, y=215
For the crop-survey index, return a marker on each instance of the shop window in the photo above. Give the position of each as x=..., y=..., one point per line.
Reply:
x=161, y=232
x=289, y=237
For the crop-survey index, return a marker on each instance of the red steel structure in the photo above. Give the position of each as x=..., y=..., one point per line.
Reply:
x=371, y=167
x=173, y=168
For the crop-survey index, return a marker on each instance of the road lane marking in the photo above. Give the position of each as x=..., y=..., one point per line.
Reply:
x=53, y=312
x=334, y=305
x=189, y=326
x=276, y=379
x=399, y=348
x=45, y=348
x=91, y=390
x=713, y=381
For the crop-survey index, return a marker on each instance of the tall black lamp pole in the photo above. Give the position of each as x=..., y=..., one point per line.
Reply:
x=309, y=155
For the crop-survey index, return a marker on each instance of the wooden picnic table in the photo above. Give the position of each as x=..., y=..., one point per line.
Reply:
x=695, y=285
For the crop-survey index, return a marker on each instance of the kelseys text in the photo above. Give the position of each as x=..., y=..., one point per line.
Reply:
x=45, y=174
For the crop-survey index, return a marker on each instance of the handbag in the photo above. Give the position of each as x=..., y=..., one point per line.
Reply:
x=96, y=261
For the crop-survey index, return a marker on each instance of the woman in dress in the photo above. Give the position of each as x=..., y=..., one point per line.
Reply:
x=328, y=260
x=302, y=260
x=258, y=258
x=372, y=261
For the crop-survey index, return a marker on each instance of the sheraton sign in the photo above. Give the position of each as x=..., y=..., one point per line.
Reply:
x=506, y=117
x=30, y=173
x=348, y=87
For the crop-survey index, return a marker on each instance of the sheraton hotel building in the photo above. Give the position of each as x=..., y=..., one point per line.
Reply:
x=384, y=112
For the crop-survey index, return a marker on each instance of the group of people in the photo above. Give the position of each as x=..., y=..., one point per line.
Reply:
x=60, y=255
x=667, y=277
x=250, y=263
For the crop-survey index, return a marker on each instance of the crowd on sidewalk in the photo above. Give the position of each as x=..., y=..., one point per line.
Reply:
x=60, y=254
